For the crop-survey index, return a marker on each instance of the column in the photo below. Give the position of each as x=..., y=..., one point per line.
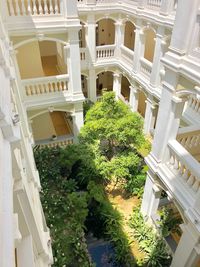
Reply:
x=69, y=8
x=187, y=253
x=73, y=62
x=119, y=37
x=169, y=114
x=183, y=28
x=139, y=45
x=77, y=117
x=134, y=98
x=151, y=197
x=149, y=115
x=92, y=86
x=25, y=256
x=90, y=37
x=117, y=78
x=160, y=47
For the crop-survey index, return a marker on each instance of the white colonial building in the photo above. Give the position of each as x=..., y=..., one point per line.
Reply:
x=56, y=53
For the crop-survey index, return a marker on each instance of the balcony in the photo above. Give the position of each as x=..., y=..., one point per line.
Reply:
x=46, y=90
x=25, y=14
x=162, y=7
x=181, y=174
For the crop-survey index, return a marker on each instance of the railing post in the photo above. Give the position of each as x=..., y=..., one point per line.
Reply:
x=91, y=2
x=142, y=4
x=167, y=6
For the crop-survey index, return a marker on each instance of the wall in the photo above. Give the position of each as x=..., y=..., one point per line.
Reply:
x=29, y=61
x=141, y=103
x=105, y=32
x=42, y=127
x=129, y=35
x=47, y=48
x=105, y=80
x=149, y=44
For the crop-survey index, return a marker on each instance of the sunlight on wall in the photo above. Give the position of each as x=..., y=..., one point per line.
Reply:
x=149, y=44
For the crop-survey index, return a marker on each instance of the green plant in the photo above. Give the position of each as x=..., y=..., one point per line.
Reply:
x=169, y=221
x=149, y=242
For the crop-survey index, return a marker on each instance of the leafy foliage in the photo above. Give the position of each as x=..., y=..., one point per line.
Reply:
x=149, y=242
x=65, y=209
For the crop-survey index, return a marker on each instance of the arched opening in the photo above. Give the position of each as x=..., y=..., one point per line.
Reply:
x=82, y=42
x=129, y=35
x=40, y=59
x=141, y=103
x=149, y=44
x=84, y=85
x=125, y=88
x=104, y=82
x=49, y=126
x=168, y=220
x=105, y=32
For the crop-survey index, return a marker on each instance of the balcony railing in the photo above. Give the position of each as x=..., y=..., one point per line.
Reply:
x=164, y=7
x=184, y=167
x=45, y=85
x=33, y=7
x=105, y=51
x=61, y=141
x=192, y=110
x=127, y=54
x=145, y=67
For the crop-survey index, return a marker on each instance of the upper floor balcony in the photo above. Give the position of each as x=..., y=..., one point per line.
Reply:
x=53, y=13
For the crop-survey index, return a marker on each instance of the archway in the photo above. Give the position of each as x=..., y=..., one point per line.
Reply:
x=49, y=125
x=129, y=35
x=82, y=42
x=105, y=32
x=142, y=103
x=84, y=85
x=149, y=44
x=104, y=81
x=125, y=88
x=41, y=58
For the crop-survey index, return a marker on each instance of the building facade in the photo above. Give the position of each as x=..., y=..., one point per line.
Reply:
x=57, y=53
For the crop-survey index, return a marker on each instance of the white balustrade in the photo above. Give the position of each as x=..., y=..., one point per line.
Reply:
x=105, y=51
x=33, y=7
x=194, y=104
x=127, y=54
x=184, y=166
x=189, y=139
x=83, y=54
x=154, y=4
x=145, y=67
x=45, y=85
x=61, y=141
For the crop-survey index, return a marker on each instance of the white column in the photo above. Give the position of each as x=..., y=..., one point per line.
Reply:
x=158, y=54
x=151, y=197
x=70, y=8
x=183, y=27
x=117, y=77
x=139, y=46
x=77, y=120
x=169, y=114
x=73, y=62
x=92, y=86
x=119, y=37
x=149, y=115
x=187, y=253
x=25, y=256
x=134, y=98
x=90, y=37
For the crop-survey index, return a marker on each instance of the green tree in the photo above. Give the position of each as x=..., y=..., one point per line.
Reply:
x=113, y=124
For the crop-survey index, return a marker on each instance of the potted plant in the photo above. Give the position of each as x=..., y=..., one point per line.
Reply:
x=53, y=137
